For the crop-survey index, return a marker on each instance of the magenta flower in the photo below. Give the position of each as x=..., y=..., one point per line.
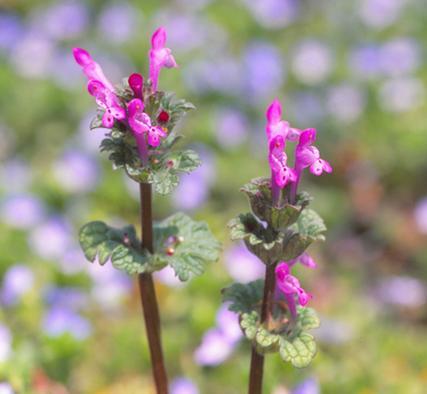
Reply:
x=143, y=129
x=136, y=83
x=160, y=56
x=281, y=173
x=278, y=127
x=290, y=287
x=107, y=100
x=304, y=259
x=91, y=69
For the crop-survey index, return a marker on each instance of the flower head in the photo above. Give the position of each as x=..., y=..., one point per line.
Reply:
x=289, y=284
x=307, y=155
x=278, y=127
x=160, y=56
x=304, y=259
x=136, y=83
x=140, y=123
x=281, y=173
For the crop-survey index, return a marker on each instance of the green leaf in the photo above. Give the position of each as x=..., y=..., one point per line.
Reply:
x=299, y=351
x=249, y=324
x=120, y=245
x=308, y=229
x=187, y=161
x=186, y=245
x=164, y=180
x=258, y=191
x=307, y=318
x=244, y=298
x=266, y=340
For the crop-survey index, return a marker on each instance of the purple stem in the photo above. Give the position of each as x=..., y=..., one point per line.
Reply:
x=142, y=147
x=294, y=185
x=275, y=191
x=292, y=305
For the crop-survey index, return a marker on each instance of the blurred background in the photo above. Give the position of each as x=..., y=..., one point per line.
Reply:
x=355, y=70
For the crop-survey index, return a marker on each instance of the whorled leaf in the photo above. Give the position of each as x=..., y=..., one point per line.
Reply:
x=249, y=324
x=121, y=246
x=307, y=318
x=265, y=243
x=258, y=191
x=299, y=351
x=308, y=229
x=184, y=244
x=244, y=298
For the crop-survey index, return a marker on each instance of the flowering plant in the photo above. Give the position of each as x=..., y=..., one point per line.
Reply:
x=141, y=121
x=273, y=313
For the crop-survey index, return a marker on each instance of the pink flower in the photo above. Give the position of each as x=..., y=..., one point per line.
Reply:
x=136, y=83
x=304, y=259
x=107, y=100
x=91, y=69
x=289, y=285
x=307, y=155
x=141, y=124
x=281, y=173
x=278, y=127
x=160, y=56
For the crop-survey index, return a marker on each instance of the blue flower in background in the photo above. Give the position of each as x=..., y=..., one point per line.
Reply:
x=5, y=343
x=231, y=127
x=22, y=211
x=11, y=31
x=308, y=386
x=17, y=281
x=183, y=385
x=59, y=320
x=242, y=265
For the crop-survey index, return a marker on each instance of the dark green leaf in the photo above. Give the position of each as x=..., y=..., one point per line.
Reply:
x=244, y=298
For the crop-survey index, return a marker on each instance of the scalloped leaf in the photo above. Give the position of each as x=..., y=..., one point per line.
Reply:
x=258, y=191
x=244, y=298
x=266, y=340
x=186, y=245
x=249, y=324
x=299, y=351
x=121, y=246
x=308, y=229
x=307, y=318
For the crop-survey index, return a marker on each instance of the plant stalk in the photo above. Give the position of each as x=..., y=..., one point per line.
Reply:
x=257, y=360
x=148, y=296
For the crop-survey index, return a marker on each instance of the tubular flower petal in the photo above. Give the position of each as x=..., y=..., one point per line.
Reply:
x=136, y=82
x=107, y=100
x=290, y=286
x=160, y=56
x=140, y=123
x=91, y=69
x=277, y=158
x=304, y=259
x=278, y=127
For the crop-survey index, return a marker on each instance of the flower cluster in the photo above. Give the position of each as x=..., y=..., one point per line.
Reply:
x=306, y=155
x=128, y=110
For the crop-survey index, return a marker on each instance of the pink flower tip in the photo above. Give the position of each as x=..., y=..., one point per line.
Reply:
x=274, y=111
x=82, y=56
x=136, y=82
x=158, y=39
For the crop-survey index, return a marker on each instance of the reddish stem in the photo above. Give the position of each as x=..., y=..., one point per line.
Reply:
x=148, y=297
x=257, y=360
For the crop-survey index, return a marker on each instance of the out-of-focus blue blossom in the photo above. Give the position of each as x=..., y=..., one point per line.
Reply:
x=6, y=388
x=11, y=31
x=312, y=62
x=307, y=386
x=242, y=265
x=264, y=71
x=107, y=277
x=72, y=261
x=220, y=73
x=364, y=61
x=17, y=281
x=168, y=277
x=187, y=31
x=59, y=320
x=231, y=127
x=401, y=94
x=228, y=323
x=62, y=20
x=402, y=291
x=273, y=14
x=71, y=298
x=52, y=238
x=400, y=56
x=22, y=211
x=77, y=172
x=345, y=102
x=63, y=70
x=5, y=343
x=118, y=22
x=334, y=332
x=193, y=188
x=420, y=215
x=306, y=108
x=183, y=386
x=32, y=55
x=89, y=140
x=15, y=175
x=380, y=13
x=214, y=349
